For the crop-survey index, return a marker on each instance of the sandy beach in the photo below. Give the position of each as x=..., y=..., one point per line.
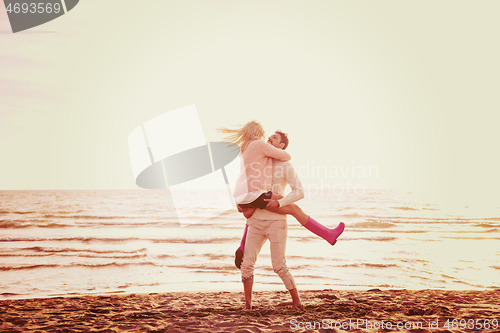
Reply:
x=371, y=310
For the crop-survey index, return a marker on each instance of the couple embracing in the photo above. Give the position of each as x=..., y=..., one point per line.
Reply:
x=265, y=173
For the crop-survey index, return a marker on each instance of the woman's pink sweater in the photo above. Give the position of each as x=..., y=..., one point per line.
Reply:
x=257, y=168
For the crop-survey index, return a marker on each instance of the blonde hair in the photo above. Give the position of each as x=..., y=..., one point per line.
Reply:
x=251, y=131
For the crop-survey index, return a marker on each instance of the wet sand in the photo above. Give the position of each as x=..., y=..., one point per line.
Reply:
x=325, y=311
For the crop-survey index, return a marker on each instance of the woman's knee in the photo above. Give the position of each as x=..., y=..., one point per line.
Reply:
x=294, y=210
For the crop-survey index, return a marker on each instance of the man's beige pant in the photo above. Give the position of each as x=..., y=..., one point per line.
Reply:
x=258, y=232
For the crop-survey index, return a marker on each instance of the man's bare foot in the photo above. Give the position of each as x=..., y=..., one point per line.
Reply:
x=248, y=306
x=296, y=303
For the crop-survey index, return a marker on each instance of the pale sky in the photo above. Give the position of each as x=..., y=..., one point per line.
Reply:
x=409, y=89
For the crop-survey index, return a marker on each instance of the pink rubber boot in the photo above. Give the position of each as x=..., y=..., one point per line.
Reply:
x=330, y=235
x=238, y=255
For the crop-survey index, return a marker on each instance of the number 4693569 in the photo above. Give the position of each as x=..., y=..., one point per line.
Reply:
x=471, y=324
x=33, y=8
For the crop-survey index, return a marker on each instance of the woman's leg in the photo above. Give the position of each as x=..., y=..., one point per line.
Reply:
x=295, y=211
x=238, y=255
x=330, y=235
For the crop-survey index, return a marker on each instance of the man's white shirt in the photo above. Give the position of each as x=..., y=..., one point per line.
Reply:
x=283, y=174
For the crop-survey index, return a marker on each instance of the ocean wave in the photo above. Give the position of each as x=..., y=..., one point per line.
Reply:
x=15, y=268
x=66, y=239
x=404, y=208
x=218, y=240
x=164, y=256
x=390, y=231
x=13, y=224
x=79, y=253
x=426, y=220
x=128, y=285
x=373, y=225
x=347, y=208
x=293, y=257
x=21, y=225
x=92, y=266
x=88, y=217
x=61, y=250
x=344, y=238
x=472, y=238
x=426, y=278
x=367, y=265
x=177, y=240
x=412, y=261
x=21, y=255
x=127, y=224
x=16, y=212
x=37, y=223
x=352, y=215
x=9, y=225
x=459, y=281
x=211, y=256
x=486, y=225
x=377, y=239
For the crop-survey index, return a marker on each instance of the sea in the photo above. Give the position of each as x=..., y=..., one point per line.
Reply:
x=84, y=242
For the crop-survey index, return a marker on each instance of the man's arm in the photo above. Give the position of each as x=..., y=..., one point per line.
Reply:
x=273, y=152
x=296, y=194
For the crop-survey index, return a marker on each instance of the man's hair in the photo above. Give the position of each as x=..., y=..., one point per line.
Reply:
x=284, y=138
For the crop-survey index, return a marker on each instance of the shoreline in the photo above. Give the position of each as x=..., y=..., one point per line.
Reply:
x=223, y=311
x=256, y=289
x=261, y=288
